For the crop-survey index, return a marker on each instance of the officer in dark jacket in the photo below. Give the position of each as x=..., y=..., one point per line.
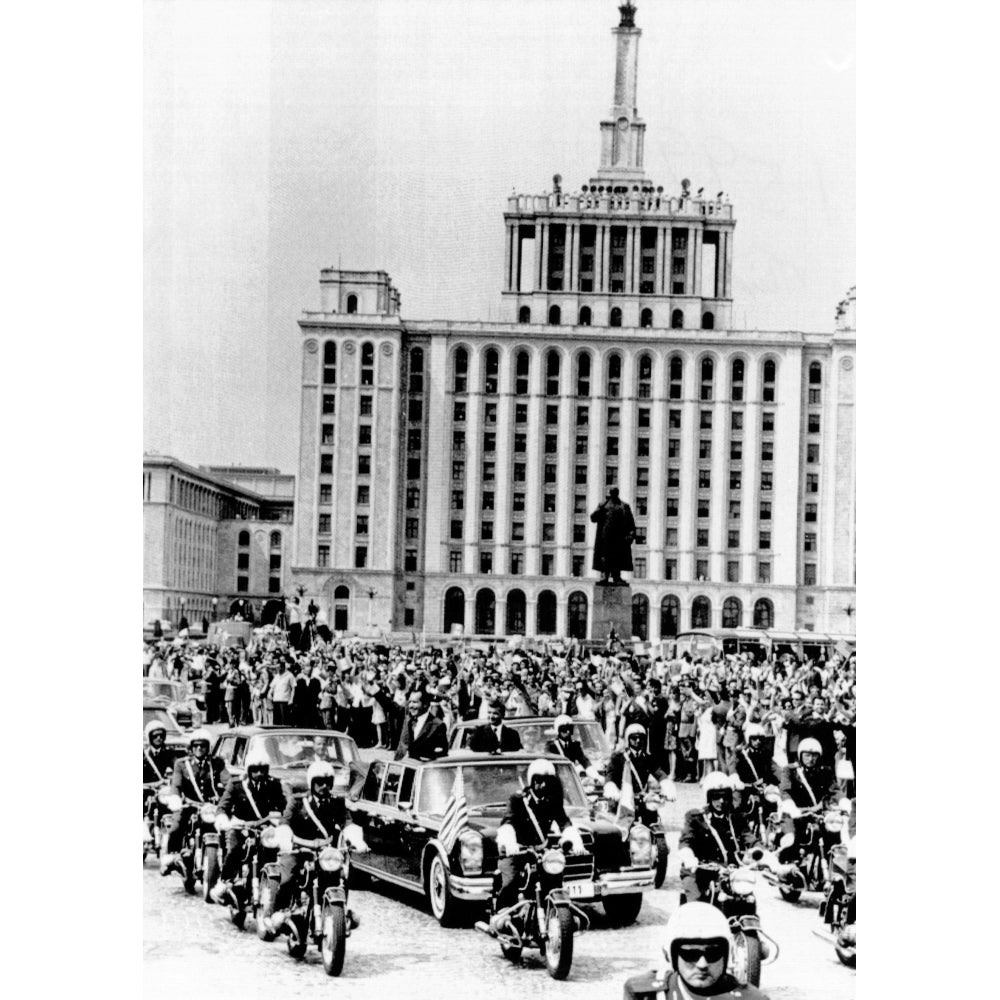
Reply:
x=423, y=737
x=756, y=770
x=809, y=784
x=249, y=799
x=495, y=737
x=197, y=779
x=565, y=745
x=532, y=816
x=157, y=767
x=713, y=834
x=697, y=950
x=314, y=821
x=642, y=764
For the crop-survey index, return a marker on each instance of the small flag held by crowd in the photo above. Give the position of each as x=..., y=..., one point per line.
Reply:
x=456, y=814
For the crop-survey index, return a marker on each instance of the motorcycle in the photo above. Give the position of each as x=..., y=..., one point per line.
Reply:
x=544, y=917
x=649, y=811
x=244, y=897
x=159, y=801
x=839, y=907
x=199, y=858
x=319, y=904
x=809, y=871
x=732, y=891
x=759, y=804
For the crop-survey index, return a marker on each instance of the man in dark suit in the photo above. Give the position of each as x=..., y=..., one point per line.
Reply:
x=495, y=737
x=423, y=737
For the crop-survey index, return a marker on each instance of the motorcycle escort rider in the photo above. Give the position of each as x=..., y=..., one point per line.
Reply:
x=757, y=771
x=197, y=779
x=249, y=799
x=697, y=952
x=714, y=834
x=571, y=749
x=806, y=785
x=532, y=814
x=157, y=767
x=319, y=815
x=643, y=767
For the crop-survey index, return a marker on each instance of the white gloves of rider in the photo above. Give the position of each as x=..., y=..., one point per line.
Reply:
x=571, y=841
x=789, y=808
x=668, y=790
x=592, y=772
x=283, y=838
x=355, y=838
x=687, y=858
x=611, y=792
x=222, y=822
x=506, y=840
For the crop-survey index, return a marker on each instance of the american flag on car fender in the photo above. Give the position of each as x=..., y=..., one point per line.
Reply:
x=456, y=814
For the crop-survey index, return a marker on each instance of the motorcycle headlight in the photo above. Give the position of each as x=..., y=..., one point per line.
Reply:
x=208, y=812
x=554, y=862
x=174, y=803
x=640, y=844
x=164, y=795
x=331, y=859
x=269, y=837
x=742, y=882
x=471, y=853
x=834, y=821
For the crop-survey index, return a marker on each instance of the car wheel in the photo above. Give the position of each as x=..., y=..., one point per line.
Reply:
x=443, y=904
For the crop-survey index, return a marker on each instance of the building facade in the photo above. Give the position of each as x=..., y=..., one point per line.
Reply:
x=447, y=470
x=213, y=537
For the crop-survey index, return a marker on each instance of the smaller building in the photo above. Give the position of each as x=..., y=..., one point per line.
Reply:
x=214, y=536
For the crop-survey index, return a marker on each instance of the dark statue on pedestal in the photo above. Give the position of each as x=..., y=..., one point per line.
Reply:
x=615, y=534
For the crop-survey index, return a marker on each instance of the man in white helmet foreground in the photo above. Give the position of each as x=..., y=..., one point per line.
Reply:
x=714, y=834
x=532, y=816
x=250, y=798
x=318, y=816
x=696, y=950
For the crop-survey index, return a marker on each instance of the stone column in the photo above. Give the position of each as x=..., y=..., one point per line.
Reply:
x=535, y=430
x=571, y=268
x=658, y=434
x=564, y=468
x=472, y=484
x=543, y=258
x=688, y=462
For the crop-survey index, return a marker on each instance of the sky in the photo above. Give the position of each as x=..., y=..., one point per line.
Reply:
x=288, y=136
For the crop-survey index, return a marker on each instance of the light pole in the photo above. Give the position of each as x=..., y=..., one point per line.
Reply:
x=372, y=594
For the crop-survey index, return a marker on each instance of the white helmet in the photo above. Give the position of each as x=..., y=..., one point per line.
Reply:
x=696, y=922
x=635, y=728
x=200, y=736
x=153, y=725
x=257, y=757
x=809, y=745
x=716, y=781
x=754, y=729
x=541, y=767
x=318, y=769
x=562, y=720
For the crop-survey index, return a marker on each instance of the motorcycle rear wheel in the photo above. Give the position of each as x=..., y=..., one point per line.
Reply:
x=211, y=873
x=265, y=908
x=298, y=936
x=746, y=958
x=559, y=942
x=334, y=942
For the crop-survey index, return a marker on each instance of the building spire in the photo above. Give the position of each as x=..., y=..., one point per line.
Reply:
x=627, y=11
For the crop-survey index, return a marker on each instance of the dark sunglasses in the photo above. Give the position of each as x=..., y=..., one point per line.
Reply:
x=711, y=953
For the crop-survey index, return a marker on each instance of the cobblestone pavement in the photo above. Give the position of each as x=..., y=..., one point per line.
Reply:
x=191, y=950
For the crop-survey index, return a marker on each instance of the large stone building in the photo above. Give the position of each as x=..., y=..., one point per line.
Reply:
x=214, y=536
x=448, y=469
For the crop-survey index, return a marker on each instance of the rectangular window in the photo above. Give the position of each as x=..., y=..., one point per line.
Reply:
x=364, y=465
x=456, y=529
x=736, y=420
x=458, y=414
x=580, y=503
x=323, y=555
x=582, y=416
x=767, y=451
x=767, y=421
x=274, y=585
x=552, y=414
x=407, y=616
x=361, y=524
x=329, y=404
x=549, y=503
x=581, y=444
x=324, y=524
x=734, y=510
x=455, y=561
x=674, y=421
x=579, y=533
x=490, y=414
x=735, y=480
x=702, y=538
x=457, y=499
x=671, y=538
x=488, y=501
x=518, y=502
x=458, y=440
x=548, y=563
x=548, y=532
x=326, y=493
x=243, y=558
x=705, y=448
x=734, y=540
x=809, y=574
x=733, y=571
x=701, y=569
x=706, y=420
x=809, y=541
x=640, y=568
x=551, y=444
x=364, y=434
x=764, y=541
x=766, y=481
x=643, y=416
x=577, y=566
x=814, y=423
x=704, y=504
x=814, y=396
x=735, y=450
x=673, y=476
x=243, y=583
x=704, y=479
x=326, y=465
x=489, y=472
x=410, y=561
x=327, y=437
x=520, y=472
x=413, y=468
x=612, y=446
x=415, y=410
x=580, y=475
x=365, y=406
x=673, y=447
x=764, y=572
x=517, y=531
x=516, y=563
x=360, y=556
x=614, y=416
x=520, y=443
x=485, y=562
x=520, y=413
x=812, y=483
x=670, y=569
x=610, y=475
x=640, y=504
x=486, y=531
x=412, y=528
x=489, y=441
x=672, y=506
x=765, y=511
x=413, y=439
x=412, y=496
x=812, y=453
x=811, y=511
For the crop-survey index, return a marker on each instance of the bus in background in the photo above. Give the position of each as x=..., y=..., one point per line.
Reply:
x=762, y=643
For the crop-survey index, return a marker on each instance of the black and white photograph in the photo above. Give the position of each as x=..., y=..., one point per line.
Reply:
x=499, y=524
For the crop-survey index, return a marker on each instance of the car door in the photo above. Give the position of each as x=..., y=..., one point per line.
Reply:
x=367, y=813
x=403, y=836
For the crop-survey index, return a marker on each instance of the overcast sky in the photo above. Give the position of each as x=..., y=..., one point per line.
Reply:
x=283, y=137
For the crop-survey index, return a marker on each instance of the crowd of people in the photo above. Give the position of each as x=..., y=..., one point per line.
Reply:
x=696, y=712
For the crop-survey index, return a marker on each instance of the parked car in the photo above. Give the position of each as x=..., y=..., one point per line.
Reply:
x=175, y=696
x=291, y=751
x=176, y=737
x=401, y=806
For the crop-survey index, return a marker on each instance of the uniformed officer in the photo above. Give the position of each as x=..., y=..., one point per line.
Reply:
x=572, y=749
x=809, y=784
x=642, y=764
x=757, y=772
x=696, y=952
x=157, y=767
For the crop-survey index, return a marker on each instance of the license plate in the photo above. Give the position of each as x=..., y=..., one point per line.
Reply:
x=580, y=889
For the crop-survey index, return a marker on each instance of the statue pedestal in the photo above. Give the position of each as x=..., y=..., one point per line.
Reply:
x=612, y=609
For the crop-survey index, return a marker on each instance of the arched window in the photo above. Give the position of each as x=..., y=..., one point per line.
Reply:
x=577, y=615
x=329, y=363
x=342, y=593
x=708, y=321
x=701, y=612
x=769, y=379
x=454, y=608
x=616, y=317
x=815, y=373
x=545, y=613
x=732, y=613
x=670, y=617
x=491, y=375
x=461, y=382
x=275, y=539
x=352, y=303
x=676, y=378
x=614, y=379
x=585, y=316
x=736, y=381
x=244, y=539
x=368, y=363
x=707, y=376
x=552, y=373
x=640, y=616
x=416, y=370
x=677, y=319
x=486, y=607
x=516, y=612
x=763, y=614
x=524, y=315
x=341, y=609
x=646, y=317
x=645, y=376
x=522, y=369
x=555, y=315
x=583, y=374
